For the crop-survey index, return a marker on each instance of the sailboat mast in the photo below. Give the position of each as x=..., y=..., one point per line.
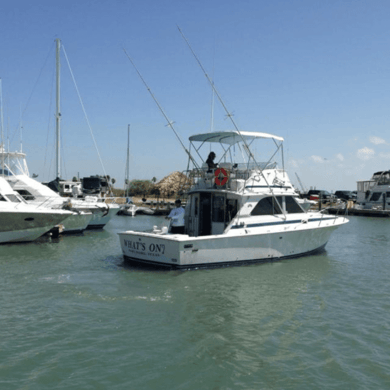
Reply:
x=58, y=113
x=128, y=160
x=1, y=124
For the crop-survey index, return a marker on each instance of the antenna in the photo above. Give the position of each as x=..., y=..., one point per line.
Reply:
x=170, y=123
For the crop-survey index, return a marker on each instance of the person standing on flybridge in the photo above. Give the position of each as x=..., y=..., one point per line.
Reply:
x=177, y=218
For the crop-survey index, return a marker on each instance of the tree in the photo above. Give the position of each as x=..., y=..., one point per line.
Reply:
x=140, y=187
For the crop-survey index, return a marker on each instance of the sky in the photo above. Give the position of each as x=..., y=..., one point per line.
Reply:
x=316, y=73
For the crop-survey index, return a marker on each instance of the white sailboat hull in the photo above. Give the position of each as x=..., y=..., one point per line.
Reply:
x=249, y=245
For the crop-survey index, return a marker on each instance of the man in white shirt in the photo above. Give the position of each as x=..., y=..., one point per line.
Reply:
x=177, y=217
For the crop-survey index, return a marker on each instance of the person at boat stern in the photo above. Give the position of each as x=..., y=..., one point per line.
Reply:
x=177, y=218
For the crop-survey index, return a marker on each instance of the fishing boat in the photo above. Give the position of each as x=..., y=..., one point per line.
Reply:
x=22, y=222
x=238, y=211
x=89, y=213
x=241, y=211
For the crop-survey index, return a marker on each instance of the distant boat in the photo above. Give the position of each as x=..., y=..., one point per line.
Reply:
x=20, y=221
x=374, y=193
x=89, y=213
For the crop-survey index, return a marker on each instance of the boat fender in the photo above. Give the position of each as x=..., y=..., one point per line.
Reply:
x=221, y=176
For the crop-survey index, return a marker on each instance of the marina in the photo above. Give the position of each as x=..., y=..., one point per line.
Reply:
x=241, y=244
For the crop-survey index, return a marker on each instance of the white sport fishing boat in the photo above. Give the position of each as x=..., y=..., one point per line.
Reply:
x=20, y=222
x=240, y=212
x=88, y=214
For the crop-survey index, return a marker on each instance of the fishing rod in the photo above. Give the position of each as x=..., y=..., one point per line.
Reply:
x=169, y=123
x=229, y=115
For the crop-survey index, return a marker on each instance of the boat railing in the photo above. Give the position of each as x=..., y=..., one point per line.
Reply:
x=236, y=175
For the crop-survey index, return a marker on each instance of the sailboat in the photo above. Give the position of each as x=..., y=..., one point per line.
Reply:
x=95, y=213
x=20, y=221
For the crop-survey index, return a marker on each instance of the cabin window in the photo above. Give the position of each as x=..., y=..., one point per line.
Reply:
x=26, y=195
x=267, y=206
x=375, y=196
x=218, y=214
x=292, y=207
x=2, y=199
x=387, y=194
x=13, y=198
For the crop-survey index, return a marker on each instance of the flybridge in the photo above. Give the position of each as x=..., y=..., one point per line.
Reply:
x=232, y=137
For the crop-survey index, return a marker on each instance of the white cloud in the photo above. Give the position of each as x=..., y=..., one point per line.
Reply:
x=340, y=157
x=294, y=163
x=377, y=140
x=317, y=159
x=365, y=154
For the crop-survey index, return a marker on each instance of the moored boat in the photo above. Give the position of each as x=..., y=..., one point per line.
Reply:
x=374, y=193
x=21, y=222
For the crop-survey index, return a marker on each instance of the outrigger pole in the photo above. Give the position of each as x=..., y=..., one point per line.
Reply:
x=228, y=114
x=169, y=123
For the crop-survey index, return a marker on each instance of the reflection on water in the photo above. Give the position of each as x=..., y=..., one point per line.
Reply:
x=75, y=316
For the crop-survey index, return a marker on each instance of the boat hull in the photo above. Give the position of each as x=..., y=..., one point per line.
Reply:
x=27, y=226
x=101, y=216
x=176, y=251
x=77, y=223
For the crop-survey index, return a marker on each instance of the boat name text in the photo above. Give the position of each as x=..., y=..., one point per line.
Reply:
x=141, y=247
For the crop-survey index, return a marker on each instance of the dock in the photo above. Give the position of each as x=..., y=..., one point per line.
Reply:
x=361, y=212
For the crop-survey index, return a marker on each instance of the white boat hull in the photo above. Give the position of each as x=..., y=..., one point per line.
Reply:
x=182, y=251
x=27, y=226
x=101, y=216
x=77, y=223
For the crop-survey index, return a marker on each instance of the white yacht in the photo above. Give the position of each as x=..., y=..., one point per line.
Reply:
x=89, y=213
x=235, y=213
x=374, y=193
x=20, y=221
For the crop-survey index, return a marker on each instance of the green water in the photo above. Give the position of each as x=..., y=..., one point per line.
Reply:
x=74, y=316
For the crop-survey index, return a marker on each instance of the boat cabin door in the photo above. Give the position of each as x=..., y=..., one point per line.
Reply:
x=199, y=220
x=209, y=214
